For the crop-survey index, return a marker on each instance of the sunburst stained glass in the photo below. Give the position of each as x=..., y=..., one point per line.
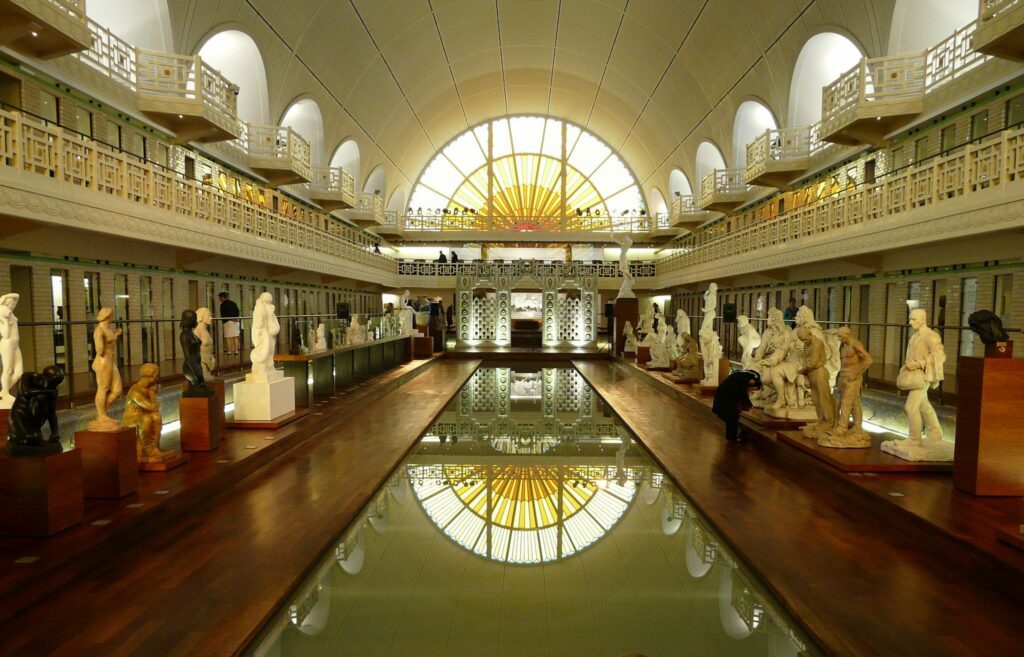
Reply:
x=527, y=173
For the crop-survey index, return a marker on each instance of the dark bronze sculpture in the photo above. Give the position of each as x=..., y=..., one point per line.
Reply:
x=988, y=326
x=192, y=368
x=35, y=405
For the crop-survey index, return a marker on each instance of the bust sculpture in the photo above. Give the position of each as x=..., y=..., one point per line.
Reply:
x=142, y=411
x=855, y=361
x=35, y=405
x=626, y=289
x=108, y=378
x=192, y=362
x=321, y=337
x=264, y=332
x=922, y=370
x=630, y=334
x=749, y=340
x=988, y=327
x=202, y=331
x=814, y=358
x=10, y=349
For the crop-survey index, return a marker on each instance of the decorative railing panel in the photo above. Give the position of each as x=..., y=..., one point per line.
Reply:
x=639, y=269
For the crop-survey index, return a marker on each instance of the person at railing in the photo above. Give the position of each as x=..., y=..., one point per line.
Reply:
x=229, y=314
x=789, y=314
x=455, y=257
x=376, y=249
x=441, y=257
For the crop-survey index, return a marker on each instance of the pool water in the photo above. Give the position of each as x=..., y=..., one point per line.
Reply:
x=527, y=521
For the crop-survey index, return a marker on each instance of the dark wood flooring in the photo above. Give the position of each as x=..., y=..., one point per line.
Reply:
x=208, y=579
x=859, y=586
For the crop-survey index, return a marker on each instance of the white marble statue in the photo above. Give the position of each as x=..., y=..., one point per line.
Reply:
x=108, y=377
x=626, y=289
x=710, y=345
x=321, y=337
x=10, y=349
x=749, y=340
x=264, y=332
x=202, y=331
x=630, y=334
x=406, y=316
x=778, y=360
x=921, y=371
x=352, y=334
x=646, y=321
x=671, y=346
x=659, y=352
x=805, y=317
x=682, y=322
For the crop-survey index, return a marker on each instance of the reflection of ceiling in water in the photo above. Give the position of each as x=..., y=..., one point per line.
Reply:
x=524, y=514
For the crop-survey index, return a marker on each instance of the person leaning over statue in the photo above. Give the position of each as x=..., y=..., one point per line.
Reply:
x=229, y=314
x=732, y=398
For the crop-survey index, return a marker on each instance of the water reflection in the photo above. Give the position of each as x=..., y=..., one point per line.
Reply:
x=521, y=526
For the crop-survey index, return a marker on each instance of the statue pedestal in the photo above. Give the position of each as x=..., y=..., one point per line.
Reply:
x=926, y=450
x=643, y=355
x=41, y=495
x=202, y=419
x=626, y=310
x=164, y=466
x=264, y=401
x=4, y=414
x=422, y=347
x=989, y=436
x=109, y=465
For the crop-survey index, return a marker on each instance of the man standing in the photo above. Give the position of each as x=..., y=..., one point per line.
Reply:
x=441, y=257
x=229, y=316
x=789, y=314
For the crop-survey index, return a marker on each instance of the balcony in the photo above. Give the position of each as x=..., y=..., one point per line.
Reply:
x=778, y=156
x=392, y=226
x=277, y=153
x=1001, y=29
x=685, y=215
x=186, y=95
x=724, y=190
x=874, y=98
x=44, y=28
x=332, y=188
x=368, y=210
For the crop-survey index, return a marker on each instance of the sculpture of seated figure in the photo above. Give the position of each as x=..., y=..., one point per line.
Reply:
x=630, y=334
x=856, y=360
x=805, y=317
x=814, y=358
x=921, y=370
x=659, y=353
x=670, y=342
x=321, y=338
x=688, y=364
x=35, y=405
x=749, y=340
x=777, y=360
x=142, y=411
x=352, y=334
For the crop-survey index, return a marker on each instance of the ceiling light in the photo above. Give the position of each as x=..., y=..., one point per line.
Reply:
x=35, y=34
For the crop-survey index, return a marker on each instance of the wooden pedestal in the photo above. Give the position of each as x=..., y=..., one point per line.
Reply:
x=109, y=465
x=626, y=310
x=422, y=347
x=989, y=456
x=164, y=466
x=202, y=423
x=41, y=495
x=4, y=414
x=643, y=355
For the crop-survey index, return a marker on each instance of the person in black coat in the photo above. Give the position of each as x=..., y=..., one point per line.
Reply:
x=732, y=398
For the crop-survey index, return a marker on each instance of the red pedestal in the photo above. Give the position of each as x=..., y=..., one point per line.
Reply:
x=201, y=430
x=109, y=465
x=4, y=414
x=422, y=347
x=41, y=495
x=1003, y=349
x=989, y=449
x=643, y=355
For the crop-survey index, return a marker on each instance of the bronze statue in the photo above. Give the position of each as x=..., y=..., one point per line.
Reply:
x=847, y=431
x=192, y=367
x=988, y=326
x=35, y=405
x=142, y=411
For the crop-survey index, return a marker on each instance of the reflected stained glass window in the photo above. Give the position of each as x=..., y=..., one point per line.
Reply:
x=527, y=173
x=522, y=514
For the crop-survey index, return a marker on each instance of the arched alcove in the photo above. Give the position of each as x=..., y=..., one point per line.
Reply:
x=823, y=58
x=304, y=117
x=235, y=54
x=147, y=25
x=752, y=119
x=657, y=202
x=679, y=184
x=397, y=200
x=708, y=159
x=346, y=156
x=920, y=24
x=376, y=181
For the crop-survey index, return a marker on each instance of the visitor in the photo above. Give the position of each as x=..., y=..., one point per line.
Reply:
x=450, y=313
x=376, y=249
x=441, y=257
x=655, y=322
x=229, y=315
x=789, y=314
x=455, y=257
x=732, y=398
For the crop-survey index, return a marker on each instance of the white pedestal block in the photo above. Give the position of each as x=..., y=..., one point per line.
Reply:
x=258, y=401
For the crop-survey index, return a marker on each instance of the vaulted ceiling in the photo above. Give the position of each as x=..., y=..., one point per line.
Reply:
x=651, y=77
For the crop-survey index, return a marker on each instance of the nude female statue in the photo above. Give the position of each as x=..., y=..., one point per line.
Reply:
x=108, y=378
x=202, y=331
x=10, y=349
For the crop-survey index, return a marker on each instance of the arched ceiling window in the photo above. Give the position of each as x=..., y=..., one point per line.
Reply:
x=529, y=173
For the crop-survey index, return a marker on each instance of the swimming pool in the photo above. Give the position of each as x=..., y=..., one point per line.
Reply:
x=528, y=521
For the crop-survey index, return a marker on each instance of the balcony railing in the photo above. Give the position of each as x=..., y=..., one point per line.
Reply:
x=1001, y=28
x=779, y=154
x=33, y=146
x=998, y=160
x=645, y=269
x=393, y=224
x=332, y=188
x=186, y=95
x=277, y=153
x=724, y=189
x=109, y=54
x=368, y=210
